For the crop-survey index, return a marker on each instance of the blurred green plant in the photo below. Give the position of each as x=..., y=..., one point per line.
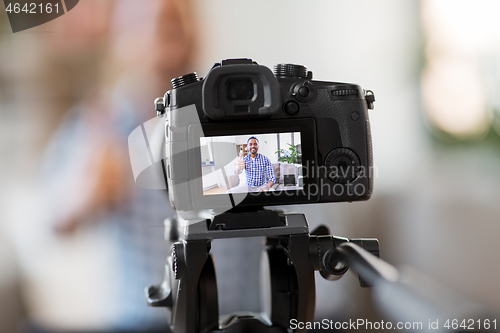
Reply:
x=289, y=155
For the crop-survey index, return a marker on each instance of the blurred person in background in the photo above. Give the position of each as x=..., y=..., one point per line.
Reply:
x=92, y=240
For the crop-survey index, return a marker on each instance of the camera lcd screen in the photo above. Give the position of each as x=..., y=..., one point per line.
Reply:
x=288, y=145
x=251, y=163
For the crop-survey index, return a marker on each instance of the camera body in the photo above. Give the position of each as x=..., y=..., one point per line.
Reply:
x=321, y=130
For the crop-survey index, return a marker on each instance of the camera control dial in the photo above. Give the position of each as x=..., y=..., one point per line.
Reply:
x=290, y=70
x=184, y=80
x=342, y=165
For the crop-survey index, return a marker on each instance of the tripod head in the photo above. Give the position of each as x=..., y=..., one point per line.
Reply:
x=189, y=290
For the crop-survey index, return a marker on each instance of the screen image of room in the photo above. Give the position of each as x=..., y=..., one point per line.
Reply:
x=220, y=154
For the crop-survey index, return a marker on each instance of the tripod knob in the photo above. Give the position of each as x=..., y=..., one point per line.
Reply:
x=159, y=296
x=322, y=254
x=368, y=244
x=171, y=229
x=177, y=264
x=331, y=263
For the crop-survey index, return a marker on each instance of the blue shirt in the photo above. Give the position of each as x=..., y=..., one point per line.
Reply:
x=135, y=249
x=259, y=170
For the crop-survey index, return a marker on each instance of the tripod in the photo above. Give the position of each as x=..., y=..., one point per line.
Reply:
x=189, y=289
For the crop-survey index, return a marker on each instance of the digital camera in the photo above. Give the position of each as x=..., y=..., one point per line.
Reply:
x=244, y=136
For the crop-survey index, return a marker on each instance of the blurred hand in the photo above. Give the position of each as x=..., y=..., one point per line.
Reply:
x=108, y=186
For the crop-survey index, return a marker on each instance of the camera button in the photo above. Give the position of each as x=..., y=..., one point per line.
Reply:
x=355, y=116
x=304, y=91
x=292, y=108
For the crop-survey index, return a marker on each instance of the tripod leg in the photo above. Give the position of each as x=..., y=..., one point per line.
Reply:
x=292, y=281
x=194, y=287
x=207, y=301
x=283, y=283
x=298, y=252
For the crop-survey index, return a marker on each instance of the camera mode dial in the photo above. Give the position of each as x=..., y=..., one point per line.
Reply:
x=184, y=80
x=342, y=165
x=290, y=70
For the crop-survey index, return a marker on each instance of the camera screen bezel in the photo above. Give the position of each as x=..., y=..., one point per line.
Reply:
x=307, y=129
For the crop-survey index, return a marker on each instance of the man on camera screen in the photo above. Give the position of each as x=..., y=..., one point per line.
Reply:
x=259, y=171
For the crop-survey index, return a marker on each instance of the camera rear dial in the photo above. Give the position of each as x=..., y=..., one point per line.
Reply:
x=342, y=165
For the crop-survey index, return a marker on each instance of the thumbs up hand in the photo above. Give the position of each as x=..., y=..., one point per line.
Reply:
x=241, y=163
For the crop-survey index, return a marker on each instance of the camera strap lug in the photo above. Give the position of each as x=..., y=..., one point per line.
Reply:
x=370, y=98
x=159, y=106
